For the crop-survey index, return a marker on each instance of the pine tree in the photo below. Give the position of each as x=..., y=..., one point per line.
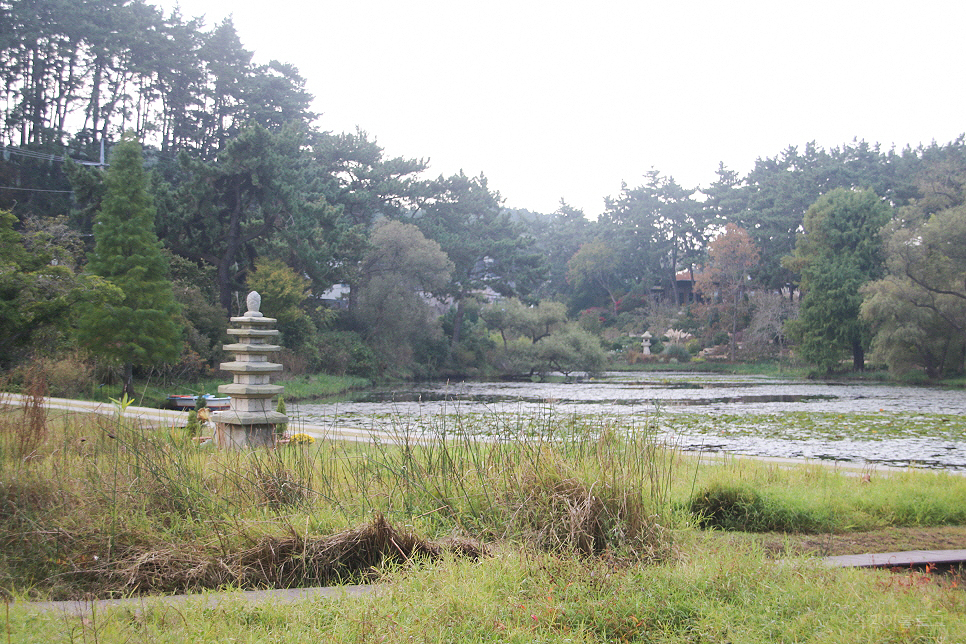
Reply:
x=144, y=328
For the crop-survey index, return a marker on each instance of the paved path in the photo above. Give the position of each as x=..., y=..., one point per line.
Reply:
x=912, y=558
x=173, y=418
x=208, y=599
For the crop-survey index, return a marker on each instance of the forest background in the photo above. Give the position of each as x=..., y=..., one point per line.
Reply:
x=151, y=170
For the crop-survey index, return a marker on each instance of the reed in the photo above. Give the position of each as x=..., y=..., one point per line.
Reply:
x=123, y=508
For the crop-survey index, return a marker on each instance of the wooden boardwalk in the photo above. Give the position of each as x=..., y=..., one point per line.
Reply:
x=907, y=559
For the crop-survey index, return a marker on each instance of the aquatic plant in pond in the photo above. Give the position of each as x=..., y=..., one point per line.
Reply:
x=922, y=440
x=864, y=423
x=826, y=426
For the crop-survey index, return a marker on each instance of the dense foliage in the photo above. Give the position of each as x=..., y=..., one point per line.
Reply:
x=250, y=193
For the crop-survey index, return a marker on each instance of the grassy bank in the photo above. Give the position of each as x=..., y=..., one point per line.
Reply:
x=764, y=368
x=320, y=386
x=579, y=529
x=123, y=508
x=296, y=388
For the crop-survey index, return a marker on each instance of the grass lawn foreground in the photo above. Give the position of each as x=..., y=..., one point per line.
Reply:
x=582, y=530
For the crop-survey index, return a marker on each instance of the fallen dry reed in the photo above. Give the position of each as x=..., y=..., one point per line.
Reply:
x=273, y=562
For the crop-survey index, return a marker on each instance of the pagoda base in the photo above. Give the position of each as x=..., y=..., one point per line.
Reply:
x=240, y=430
x=241, y=436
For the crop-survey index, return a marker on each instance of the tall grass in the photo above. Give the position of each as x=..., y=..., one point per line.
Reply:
x=102, y=505
x=96, y=504
x=567, y=483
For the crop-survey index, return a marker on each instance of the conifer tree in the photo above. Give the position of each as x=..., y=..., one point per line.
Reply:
x=144, y=328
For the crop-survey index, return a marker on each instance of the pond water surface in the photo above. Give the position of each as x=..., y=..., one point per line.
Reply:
x=858, y=423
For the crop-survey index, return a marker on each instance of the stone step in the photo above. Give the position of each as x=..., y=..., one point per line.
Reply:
x=250, y=367
x=251, y=348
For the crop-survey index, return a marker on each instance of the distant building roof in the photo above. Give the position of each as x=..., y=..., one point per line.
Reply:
x=336, y=292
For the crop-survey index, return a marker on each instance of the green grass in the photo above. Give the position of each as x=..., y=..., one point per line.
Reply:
x=955, y=383
x=320, y=386
x=719, y=596
x=761, y=368
x=97, y=487
x=757, y=497
x=591, y=529
x=296, y=388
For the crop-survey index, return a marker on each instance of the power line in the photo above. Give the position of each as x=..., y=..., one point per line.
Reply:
x=44, y=156
x=33, y=189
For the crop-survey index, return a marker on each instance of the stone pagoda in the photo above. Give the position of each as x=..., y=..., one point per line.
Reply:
x=251, y=420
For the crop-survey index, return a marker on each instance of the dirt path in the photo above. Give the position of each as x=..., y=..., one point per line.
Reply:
x=849, y=543
x=885, y=540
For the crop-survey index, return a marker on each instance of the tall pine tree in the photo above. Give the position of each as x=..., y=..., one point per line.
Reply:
x=144, y=328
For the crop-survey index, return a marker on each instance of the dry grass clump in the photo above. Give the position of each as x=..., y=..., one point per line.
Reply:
x=558, y=511
x=283, y=479
x=24, y=431
x=295, y=560
x=272, y=562
x=280, y=488
x=175, y=569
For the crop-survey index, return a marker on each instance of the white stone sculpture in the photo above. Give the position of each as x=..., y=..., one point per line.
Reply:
x=254, y=302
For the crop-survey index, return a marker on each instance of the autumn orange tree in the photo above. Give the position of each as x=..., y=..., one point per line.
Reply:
x=731, y=257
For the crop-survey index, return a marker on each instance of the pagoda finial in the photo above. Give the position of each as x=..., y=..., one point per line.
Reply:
x=254, y=302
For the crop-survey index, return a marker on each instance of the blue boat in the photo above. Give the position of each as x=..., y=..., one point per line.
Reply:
x=188, y=402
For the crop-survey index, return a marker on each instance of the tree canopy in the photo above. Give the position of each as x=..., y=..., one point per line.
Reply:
x=248, y=188
x=731, y=258
x=837, y=254
x=918, y=309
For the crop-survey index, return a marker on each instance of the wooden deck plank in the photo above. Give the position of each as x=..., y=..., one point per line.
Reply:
x=898, y=559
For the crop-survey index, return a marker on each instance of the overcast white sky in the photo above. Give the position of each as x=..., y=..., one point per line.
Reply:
x=564, y=99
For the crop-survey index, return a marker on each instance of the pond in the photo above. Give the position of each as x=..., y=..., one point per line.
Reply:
x=865, y=423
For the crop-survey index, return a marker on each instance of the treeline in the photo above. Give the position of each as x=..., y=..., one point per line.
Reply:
x=76, y=73
x=439, y=277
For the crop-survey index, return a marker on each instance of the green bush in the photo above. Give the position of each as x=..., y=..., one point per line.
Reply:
x=193, y=428
x=344, y=353
x=739, y=508
x=676, y=352
x=69, y=376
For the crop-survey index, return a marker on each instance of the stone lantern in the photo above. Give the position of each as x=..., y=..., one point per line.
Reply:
x=251, y=419
x=646, y=343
